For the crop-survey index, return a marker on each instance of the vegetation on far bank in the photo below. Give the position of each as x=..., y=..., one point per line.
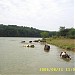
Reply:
x=22, y=31
x=65, y=43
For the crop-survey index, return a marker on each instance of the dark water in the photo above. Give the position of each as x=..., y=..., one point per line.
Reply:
x=18, y=60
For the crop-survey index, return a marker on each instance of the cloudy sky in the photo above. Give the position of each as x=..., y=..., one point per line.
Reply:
x=40, y=14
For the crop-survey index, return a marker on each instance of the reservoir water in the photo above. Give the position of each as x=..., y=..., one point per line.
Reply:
x=18, y=60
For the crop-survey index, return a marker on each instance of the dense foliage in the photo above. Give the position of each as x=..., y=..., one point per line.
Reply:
x=21, y=31
x=44, y=34
x=18, y=31
x=68, y=33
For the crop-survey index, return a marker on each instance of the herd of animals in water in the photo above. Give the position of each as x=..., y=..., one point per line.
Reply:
x=63, y=55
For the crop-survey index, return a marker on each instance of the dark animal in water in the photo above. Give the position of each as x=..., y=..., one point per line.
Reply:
x=36, y=41
x=47, y=47
x=32, y=46
x=22, y=41
x=65, y=56
x=30, y=41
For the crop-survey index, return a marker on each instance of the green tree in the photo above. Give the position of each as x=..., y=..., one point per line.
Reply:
x=62, y=31
x=44, y=34
x=61, y=28
x=71, y=33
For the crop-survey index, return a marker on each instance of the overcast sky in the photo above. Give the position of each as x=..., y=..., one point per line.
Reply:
x=40, y=14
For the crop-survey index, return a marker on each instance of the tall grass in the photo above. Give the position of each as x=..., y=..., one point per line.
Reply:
x=65, y=43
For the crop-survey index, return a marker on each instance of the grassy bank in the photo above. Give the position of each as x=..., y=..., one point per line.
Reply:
x=65, y=43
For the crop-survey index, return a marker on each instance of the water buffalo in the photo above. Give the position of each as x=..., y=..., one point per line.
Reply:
x=64, y=55
x=47, y=47
x=22, y=41
x=36, y=41
x=32, y=46
x=30, y=41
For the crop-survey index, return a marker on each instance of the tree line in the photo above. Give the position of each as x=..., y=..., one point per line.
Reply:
x=22, y=31
x=19, y=31
x=66, y=32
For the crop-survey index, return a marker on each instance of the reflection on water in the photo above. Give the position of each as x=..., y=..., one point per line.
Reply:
x=67, y=60
x=46, y=50
x=16, y=59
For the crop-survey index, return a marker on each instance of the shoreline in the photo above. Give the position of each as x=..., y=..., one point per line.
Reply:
x=64, y=43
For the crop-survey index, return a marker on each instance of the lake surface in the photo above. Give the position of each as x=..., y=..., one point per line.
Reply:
x=18, y=60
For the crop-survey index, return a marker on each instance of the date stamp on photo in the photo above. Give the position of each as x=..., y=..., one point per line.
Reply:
x=56, y=69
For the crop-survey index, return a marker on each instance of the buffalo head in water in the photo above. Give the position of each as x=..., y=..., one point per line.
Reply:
x=30, y=41
x=47, y=48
